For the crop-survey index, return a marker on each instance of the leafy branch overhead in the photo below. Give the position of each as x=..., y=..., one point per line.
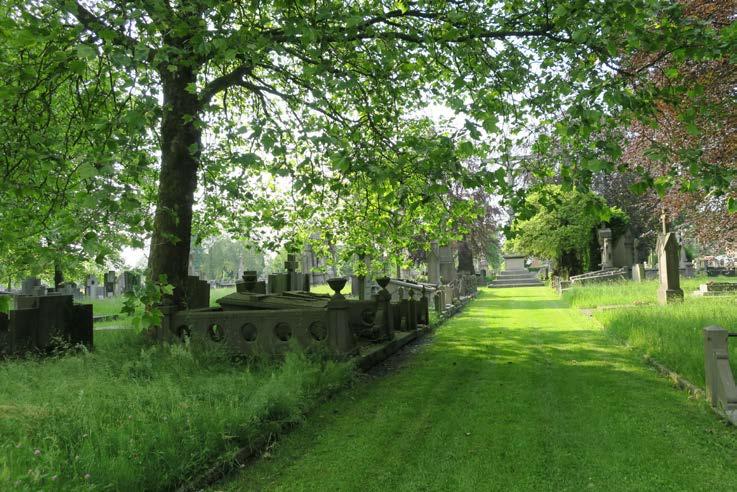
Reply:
x=322, y=94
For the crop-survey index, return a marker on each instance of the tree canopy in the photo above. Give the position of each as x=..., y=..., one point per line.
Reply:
x=559, y=225
x=327, y=94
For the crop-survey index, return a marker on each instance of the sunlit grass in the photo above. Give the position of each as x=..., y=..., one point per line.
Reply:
x=107, y=306
x=672, y=334
x=628, y=292
x=519, y=392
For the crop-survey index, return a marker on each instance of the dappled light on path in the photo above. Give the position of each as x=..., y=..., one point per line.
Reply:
x=518, y=392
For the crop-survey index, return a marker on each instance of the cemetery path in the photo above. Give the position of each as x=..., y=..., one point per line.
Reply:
x=518, y=392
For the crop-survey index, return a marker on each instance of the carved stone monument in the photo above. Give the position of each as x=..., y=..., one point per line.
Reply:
x=605, y=242
x=447, y=264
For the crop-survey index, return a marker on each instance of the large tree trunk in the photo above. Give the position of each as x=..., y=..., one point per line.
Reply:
x=58, y=274
x=180, y=153
x=465, y=258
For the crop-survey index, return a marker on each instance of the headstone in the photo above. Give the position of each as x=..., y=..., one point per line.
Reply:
x=717, y=289
x=289, y=281
x=127, y=282
x=110, y=281
x=28, y=285
x=448, y=271
x=251, y=283
x=638, y=272
x=197, y=295
x=670, y=283
x=38, y=321
x=39, y=290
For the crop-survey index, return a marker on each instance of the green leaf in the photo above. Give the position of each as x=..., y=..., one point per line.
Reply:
x=86, y=52
x=466, y=147
x=401, y=6
x=671, y=72
x=86, y=171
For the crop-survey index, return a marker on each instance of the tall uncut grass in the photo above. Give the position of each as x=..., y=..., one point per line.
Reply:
x=673, y=334
x=627, y=292
x=130, y=416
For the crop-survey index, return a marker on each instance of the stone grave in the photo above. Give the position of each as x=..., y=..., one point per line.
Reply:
x=670, y=282
x=515, y=274
x=127, y=282
x=291, y=280
x=605, y=243
x=32, y=286
x=446, y=263
x=92, y=289
x=110, y=281
x=721, y=390
x=711, y=289
x=638, y=272
x=38, y=323
x=255, y=321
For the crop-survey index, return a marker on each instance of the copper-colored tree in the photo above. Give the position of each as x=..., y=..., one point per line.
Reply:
x=698, y=123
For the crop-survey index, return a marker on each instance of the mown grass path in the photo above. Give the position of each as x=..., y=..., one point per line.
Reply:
x=519, y=392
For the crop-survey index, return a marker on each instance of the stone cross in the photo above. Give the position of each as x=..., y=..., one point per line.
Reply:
x=664, y=222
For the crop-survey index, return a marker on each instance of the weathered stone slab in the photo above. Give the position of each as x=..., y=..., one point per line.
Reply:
x=448, y=272
x=514, y=262
x=717, y=289
x=670, y=282
x=38, y=322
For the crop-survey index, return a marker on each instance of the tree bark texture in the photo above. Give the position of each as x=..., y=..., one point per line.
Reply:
x=180, y=153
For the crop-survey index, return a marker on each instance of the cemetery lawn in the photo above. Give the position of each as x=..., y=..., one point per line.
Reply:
x=129, y=416
x=672, y=335
x=627, y=292
x=519, y=392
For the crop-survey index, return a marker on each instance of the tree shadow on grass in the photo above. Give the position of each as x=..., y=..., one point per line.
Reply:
x=536, y=407
x=547, y=413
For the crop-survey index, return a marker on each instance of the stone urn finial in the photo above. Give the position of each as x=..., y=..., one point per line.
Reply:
x=337, y=284
x=383, y=282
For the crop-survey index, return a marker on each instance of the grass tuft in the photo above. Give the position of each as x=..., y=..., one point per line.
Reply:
x=133, y=416
x=628, y=292
x=671, y=334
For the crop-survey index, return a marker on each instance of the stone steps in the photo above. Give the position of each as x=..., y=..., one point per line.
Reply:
x=517, y=276
x=529, y=282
